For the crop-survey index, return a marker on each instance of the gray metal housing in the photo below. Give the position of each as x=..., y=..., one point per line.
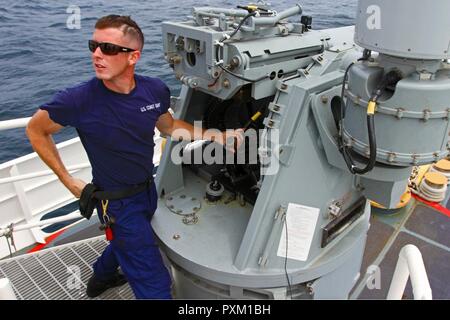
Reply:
x=231, y=252
x=405, y=28
x=418, y=108
x=230, y=248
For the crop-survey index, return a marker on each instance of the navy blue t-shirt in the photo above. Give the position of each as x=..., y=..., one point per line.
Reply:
x=115, y=129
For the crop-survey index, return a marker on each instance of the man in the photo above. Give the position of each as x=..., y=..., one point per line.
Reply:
x=115, y=114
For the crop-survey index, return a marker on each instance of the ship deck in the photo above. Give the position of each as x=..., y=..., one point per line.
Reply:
x=419, y=224
x=62, y=270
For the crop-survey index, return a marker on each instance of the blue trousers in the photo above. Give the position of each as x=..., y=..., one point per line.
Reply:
x=134, y=247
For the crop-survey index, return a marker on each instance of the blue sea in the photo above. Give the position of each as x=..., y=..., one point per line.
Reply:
x=41, y=55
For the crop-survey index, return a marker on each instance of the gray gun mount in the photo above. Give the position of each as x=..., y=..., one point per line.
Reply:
x=262, y=51
x=232, y=242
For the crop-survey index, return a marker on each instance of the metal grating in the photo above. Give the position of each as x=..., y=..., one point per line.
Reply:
x=58, y=273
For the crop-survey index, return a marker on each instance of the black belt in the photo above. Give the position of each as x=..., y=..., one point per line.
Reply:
x=92, y=193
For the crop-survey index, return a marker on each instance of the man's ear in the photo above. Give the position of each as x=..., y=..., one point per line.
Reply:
x=134, y=57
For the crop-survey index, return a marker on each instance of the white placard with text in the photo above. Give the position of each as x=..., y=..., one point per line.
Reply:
x=301, y=223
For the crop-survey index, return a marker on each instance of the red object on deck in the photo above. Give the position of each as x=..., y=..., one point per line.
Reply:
x=49, y=239
x=434, y=205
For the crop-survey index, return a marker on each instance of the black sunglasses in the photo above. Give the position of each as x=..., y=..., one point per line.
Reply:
x=107, y=48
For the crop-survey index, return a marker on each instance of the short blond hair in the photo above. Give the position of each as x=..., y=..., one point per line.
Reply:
x=125, y=24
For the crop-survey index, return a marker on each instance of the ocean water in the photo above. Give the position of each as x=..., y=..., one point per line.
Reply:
x=41, y=55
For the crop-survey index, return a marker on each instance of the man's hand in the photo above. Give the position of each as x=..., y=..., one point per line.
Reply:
x=75, y=186
x=232, y=139
x=181, y=130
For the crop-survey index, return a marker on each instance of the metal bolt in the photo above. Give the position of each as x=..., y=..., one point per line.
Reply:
x=284, y=86
x=391, y=157
x=324, y=99
x=183, y=196
x=226, y=83
x=399, y=113
x=176, y=237
x=175, y=59
x=426, y=115
x=334, y=209
x=310, y=288
x=234, y=63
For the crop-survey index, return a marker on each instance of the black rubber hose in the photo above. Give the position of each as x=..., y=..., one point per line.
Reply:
x=372, y=148
x=390, y=79
x=371, y=133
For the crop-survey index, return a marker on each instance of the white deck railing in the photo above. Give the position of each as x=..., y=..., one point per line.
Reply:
x=14, y=123
x=22, y=177
x=70, y=216
x=410, y=265
x=29, y=190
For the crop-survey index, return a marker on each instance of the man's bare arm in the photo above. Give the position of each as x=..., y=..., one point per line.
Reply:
x=39, y=131
x=181, y=130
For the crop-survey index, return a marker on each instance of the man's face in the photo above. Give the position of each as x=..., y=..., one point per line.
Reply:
x=109, y=67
